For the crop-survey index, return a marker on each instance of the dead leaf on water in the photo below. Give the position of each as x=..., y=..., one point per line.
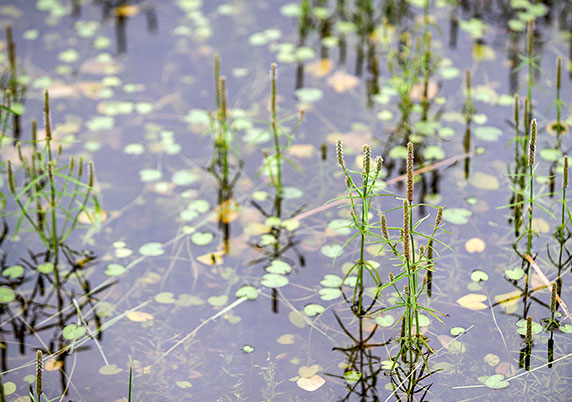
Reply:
x=320, y=68
x=311, y=384
x=539, y=225
x=91, y=217
x=342, y=81
x=417, y=91
x=475, y=245
x=128, y=10
x=302, y=150
x=53, y=365
x=214, y=258
x=473, y=301
x=138, y=316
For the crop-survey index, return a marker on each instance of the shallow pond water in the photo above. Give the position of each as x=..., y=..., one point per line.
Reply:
x=210, y=286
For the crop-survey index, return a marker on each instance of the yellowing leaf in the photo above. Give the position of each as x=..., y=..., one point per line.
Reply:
x=473, y=301
x=311, y=384
x=256, y=228
x=308, y=371
x=418, y=91
x=52, y=365
x=214, y=258
x=92, y=217
x=539, y=225
x=139, y=316
x=320, y=68
x=128, y=10
x=286, y=339
x=302, y=150
x=475, y=245
x=342, y=81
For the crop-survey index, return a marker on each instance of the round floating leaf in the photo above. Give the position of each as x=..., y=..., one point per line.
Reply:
x=290, y=10
x=473, y=301
x=110, y=369
x=331, y=281
x=398, y=152
x=424, y=321
x=183, y=384
x=291, y=193
x=9, y=388
x=6, y=295
x=278, y=267
x=164, y=298
x=247, y=291
x=484, y=181
x=309, y=95
x=478, y=276
x=147, y=175
x=496, y=381
x=290, y=224
x=311, y=384
x=202, y=239
x=138, y=316
x=514, y=274
x=218, y=301
x=434, y=152
x=13, y=272
x=115, y=270
x=488, y=133
x=385, y=320
x=521, y=324
x=331, y=250
x=491, y=359
x=352, y=376
x=184, y=177
x=456, y=331
x=475, y=245
x=457, y=216
x=152, y=249
x=341, y=226
x=46, y=268
x=134, y=149
x=566, y=328
x=385, y=115
x=247, y=349
x=449, y=72
x=314, y=309
x=328, y=294
x=73, y=331
x=274, y=281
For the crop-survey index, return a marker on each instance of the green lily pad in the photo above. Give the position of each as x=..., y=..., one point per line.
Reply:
x=274, y=281
x=184, y=177
x=46, y=268
x=457, y=216
x=514, y=274
x=164, y=298
x=434, y=152
x=6, y=295
x=202, y=239
x=152, y=249
x=13, y=272
x=147, y=175
x=278, y=267
x=183, y=384
x=478, y=276
x=328, y=294
x=218, y=301
x=247, y=291
x=496, y=381
x=331, y=281
x=309, y=95
x=115, y=270
x=385, y=320
x=73, y=331
x=331, y=250
x=536, y=327
x=312, y=310
x=341, y=226
x=424, y=320
x=352, y=376
x=488, y=133
x=456, y=331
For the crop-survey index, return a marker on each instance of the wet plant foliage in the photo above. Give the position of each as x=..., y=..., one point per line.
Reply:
x=309, y=200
